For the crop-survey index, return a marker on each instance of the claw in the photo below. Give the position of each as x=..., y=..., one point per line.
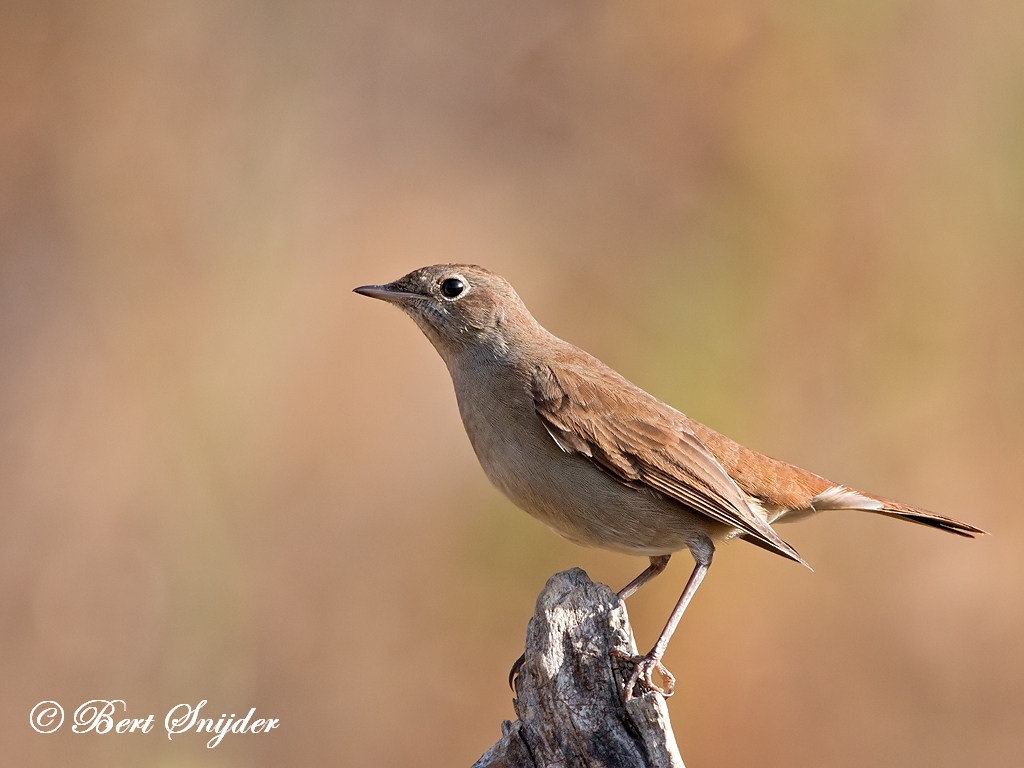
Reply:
x=515, y=671
x=644, y=669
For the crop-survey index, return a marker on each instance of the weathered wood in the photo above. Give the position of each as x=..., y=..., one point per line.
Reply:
x=569, y=690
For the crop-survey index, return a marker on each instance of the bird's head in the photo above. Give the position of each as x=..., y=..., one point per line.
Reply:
x=460, y=308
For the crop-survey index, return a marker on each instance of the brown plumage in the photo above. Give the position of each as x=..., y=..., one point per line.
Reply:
x=595, y=457
x=641, y=442
x=790, y=491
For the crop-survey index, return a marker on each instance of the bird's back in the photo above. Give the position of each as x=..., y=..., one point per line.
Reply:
x=775, y=484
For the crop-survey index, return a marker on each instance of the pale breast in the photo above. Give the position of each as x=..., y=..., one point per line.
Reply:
x=567, y=492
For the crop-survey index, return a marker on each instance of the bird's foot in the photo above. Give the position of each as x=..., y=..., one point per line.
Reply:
x=514, y=672
x=643, y=670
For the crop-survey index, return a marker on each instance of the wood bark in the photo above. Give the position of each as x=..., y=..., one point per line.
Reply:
x=569, y=690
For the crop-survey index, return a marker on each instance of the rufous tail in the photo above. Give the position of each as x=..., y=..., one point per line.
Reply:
x=840, y=497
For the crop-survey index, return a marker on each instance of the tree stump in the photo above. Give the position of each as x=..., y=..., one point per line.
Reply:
x=569, y=690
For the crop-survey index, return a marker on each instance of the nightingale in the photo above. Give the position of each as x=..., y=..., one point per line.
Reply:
x=599, y=460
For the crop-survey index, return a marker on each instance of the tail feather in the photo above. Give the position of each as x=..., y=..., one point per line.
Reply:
x=924, y=517
x=839, y=497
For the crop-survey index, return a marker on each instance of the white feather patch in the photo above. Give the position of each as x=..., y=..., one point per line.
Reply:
x=557, y=441
x=841, y=497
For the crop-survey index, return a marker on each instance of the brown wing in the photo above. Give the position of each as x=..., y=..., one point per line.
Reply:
x=640, y=441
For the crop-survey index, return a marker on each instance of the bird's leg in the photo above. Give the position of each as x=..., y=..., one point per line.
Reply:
x=645, y=665
x=657, y=565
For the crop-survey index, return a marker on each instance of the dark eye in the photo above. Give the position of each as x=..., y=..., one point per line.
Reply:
x=452, y=287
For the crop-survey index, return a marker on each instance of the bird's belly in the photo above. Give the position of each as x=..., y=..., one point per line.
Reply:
x=578, y=500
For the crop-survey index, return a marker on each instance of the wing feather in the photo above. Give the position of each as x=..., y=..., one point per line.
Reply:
x=641, y=442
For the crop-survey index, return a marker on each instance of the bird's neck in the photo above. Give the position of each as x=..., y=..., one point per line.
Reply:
x=522, y=342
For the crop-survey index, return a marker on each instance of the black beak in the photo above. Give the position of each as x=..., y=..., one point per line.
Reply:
x=385, y=293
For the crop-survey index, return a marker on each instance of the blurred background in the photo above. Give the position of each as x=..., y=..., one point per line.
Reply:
x=223, y=476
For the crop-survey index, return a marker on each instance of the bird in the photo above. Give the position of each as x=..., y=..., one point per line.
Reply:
x=599, y=460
